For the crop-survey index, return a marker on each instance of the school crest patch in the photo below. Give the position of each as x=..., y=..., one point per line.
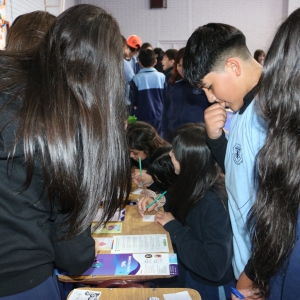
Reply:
x=237, y=154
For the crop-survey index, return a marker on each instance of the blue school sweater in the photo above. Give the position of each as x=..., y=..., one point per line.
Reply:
x=246, y=137
x=147, y=95
x=183, y=104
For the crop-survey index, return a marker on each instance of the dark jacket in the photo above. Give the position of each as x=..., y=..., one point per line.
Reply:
x=30, y=231
x=204, y=244
x=183, y=104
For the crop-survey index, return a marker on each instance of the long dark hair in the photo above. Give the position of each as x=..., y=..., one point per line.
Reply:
x=258, y=53
x=273, y=217
x=199, y=172
x=27, y=30
x=143, y=137
x=175, y=75
x=73, y=112
x=161, y=168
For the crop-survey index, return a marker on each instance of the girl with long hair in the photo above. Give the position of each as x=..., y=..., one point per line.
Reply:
x=274, y=266
x=183, y=103
x=198, y=219
x=27, y=30
x=62, y=149
x=142, y=141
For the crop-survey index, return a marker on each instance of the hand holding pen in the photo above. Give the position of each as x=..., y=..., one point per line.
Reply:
x=148, y=204
x=246, y=294
x=143, y=202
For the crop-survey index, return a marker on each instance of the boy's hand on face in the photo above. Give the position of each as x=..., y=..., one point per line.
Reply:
x=163, y=217
x=215, y=118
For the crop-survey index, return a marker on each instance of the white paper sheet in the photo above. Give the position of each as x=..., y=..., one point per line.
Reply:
x=85, y=295
x=137, y=191
x=148, y=218
x=178, y=296
x=140, y=243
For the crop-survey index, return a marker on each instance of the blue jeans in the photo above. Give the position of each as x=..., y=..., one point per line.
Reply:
x=208, y=292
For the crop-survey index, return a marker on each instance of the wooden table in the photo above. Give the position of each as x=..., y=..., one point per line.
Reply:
x=140, y=293
x=133, y=197
x=133, y=224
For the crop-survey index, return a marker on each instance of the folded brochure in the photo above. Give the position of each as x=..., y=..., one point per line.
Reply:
x=134, y=264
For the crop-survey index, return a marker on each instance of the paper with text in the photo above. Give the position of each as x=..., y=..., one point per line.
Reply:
x=140, y=243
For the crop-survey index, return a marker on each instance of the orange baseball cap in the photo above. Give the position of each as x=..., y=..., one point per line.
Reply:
x=134, y=41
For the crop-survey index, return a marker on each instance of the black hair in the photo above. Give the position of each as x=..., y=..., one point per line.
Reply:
x=208, y=48
x=137, y=49
x=175, y=75
x=199, y=172
x=274, y=215
x=158, y=51
x=124, y=41
x=258, y=53
x=161, y=168
x=71, y=92
x=28, y=30
x=147, y=58
x=146, y=45
x=171, y=54
x=143, y=137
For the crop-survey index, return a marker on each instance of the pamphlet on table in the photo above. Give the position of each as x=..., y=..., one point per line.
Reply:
x=134, y=264
x=140, y=243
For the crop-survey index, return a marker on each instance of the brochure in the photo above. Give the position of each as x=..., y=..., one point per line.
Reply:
x=134, y=264
x=110, y=227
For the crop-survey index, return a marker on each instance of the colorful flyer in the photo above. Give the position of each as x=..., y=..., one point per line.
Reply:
x=140, y=243
x=119, y=215
x=104, y=243
x=134, y=264
x=114, y=227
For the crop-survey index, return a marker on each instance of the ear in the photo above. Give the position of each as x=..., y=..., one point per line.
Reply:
x=172, y=61
x=140, y=64
x=233, y=65
x=155, y=63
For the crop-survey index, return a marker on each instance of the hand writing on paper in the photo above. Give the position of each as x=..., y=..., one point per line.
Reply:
x=143, y=202
x=163, y=217
x=215, y=118
x=146, y=179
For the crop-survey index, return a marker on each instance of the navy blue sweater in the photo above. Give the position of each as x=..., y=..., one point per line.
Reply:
x=183, y=104
x=204, y=243
x=147, y=96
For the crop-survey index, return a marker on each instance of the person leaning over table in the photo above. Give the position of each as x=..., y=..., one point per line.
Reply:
x=62, y=150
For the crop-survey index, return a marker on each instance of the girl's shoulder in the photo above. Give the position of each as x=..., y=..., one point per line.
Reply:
x=213, y=198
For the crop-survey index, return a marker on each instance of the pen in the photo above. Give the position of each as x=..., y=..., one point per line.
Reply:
x=141, y=172
x=156, y=199
x=236, y=293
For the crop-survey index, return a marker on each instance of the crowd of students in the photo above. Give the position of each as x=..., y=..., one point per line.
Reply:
x=232, y=204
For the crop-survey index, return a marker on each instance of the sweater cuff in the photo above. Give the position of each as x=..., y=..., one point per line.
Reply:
x=172, y=227
x=249, y=270
x=214, y=143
